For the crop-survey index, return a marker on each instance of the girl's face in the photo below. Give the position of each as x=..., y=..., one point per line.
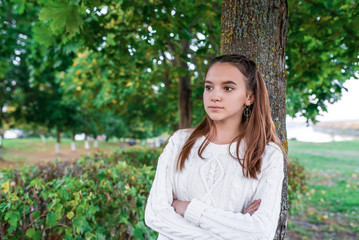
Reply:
x=225, y=94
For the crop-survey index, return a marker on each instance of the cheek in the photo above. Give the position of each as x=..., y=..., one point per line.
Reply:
x=205, y=97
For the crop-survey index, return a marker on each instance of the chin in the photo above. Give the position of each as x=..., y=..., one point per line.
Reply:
x=215, y=118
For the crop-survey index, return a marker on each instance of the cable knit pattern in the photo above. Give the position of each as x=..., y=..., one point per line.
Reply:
x=218, y=192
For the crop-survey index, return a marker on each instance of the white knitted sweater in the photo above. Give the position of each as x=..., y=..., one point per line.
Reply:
x=218, y=192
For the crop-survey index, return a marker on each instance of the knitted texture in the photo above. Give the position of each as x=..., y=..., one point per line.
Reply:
x=218, y=192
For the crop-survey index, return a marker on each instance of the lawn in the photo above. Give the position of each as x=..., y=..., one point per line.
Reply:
x=33, y=150
x=331, y=204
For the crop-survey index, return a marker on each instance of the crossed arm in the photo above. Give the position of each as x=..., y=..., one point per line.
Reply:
x=181, y=207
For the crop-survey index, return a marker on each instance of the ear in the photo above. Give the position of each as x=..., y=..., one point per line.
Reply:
x=250, y=99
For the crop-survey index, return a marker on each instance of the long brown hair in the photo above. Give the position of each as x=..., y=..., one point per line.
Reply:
x=257, y=130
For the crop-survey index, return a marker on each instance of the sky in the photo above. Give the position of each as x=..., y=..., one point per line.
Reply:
x=346, y=109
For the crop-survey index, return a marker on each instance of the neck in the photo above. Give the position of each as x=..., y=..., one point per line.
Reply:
x=225, y=132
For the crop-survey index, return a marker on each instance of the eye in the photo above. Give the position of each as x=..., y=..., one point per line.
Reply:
x=228, y=88
x=207, y=87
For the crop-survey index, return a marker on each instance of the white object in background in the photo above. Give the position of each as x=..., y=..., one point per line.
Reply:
x=80, y=137
x=95, y=144
x=13, y=133
x=58, y=148
x=87, y=145
x=43, y=139
x=73, y=146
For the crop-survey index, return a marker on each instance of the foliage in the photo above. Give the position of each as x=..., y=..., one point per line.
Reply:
x=322, y=52
x=138, y=156
x=127, y=58
x=15, y=46
x=297, y=185
x=136, y=53
x=156, y=31
x=102, y=196
x=84, y=199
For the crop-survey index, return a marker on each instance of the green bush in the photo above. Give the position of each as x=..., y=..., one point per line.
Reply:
x=97, y=197
x=138, y=156
x=86, y=199
x=297, y=185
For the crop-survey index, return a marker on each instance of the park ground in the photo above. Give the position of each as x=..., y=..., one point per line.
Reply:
x=329, y=208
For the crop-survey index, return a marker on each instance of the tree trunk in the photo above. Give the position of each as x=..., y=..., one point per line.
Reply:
x=0, y=146
x=258, y=30
x=95, y=143
x=73, y=143
x=184, y=89
x=86, y=143
x=58, y=141
x=43, y=138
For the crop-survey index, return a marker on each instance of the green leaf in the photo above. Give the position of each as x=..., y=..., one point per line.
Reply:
x=78, y=221
x=30, y=232
x=12, y=218
x=19, y=6
x=70, y=215
x=36, y=214
x=11, y=229
x=37, y=235
x=62, y=14
x=51, y=219
x=89, y=236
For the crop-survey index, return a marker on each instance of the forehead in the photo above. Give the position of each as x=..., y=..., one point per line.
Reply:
x=221, y=72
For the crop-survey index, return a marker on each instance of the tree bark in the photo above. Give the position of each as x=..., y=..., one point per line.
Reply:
x=95, y=143
x=184, y=89
x=73, y=143
x=258, y=30
x=58, y=141
x=86, y=143
x=0, y=146
x=43, y=138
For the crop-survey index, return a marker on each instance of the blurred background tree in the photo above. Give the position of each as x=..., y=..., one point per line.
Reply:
x=143, y=62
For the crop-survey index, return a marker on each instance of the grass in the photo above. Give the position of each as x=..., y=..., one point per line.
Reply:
x=33, y=150
x=331, y=205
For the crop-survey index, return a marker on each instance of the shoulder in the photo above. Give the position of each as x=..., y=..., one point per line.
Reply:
x=272, y=155
x=181, y=135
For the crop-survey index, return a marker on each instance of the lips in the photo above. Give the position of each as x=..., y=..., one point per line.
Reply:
x=215, y=107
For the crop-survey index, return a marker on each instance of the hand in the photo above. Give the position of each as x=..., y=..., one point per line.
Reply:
x=180, y=206
x=253, y=207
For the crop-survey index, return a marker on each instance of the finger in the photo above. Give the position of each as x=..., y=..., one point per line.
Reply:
x=253, y=210
x=252, y=207
x=254, y=203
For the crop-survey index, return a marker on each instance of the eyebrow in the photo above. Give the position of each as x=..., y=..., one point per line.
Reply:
x=226, y=82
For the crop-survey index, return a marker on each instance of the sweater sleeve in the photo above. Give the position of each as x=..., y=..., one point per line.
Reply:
x=233, y=225
x=159, y=213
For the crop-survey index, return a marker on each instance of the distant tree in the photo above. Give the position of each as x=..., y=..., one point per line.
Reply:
x=147, y=49
x=31, y=91
x=155, y=53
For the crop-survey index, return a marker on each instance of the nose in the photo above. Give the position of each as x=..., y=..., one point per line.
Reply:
x=216, y=97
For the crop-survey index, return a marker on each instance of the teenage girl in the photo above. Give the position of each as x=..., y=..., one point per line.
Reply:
x=223, y=178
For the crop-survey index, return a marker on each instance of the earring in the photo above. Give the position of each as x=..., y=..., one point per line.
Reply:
x=247, y=112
